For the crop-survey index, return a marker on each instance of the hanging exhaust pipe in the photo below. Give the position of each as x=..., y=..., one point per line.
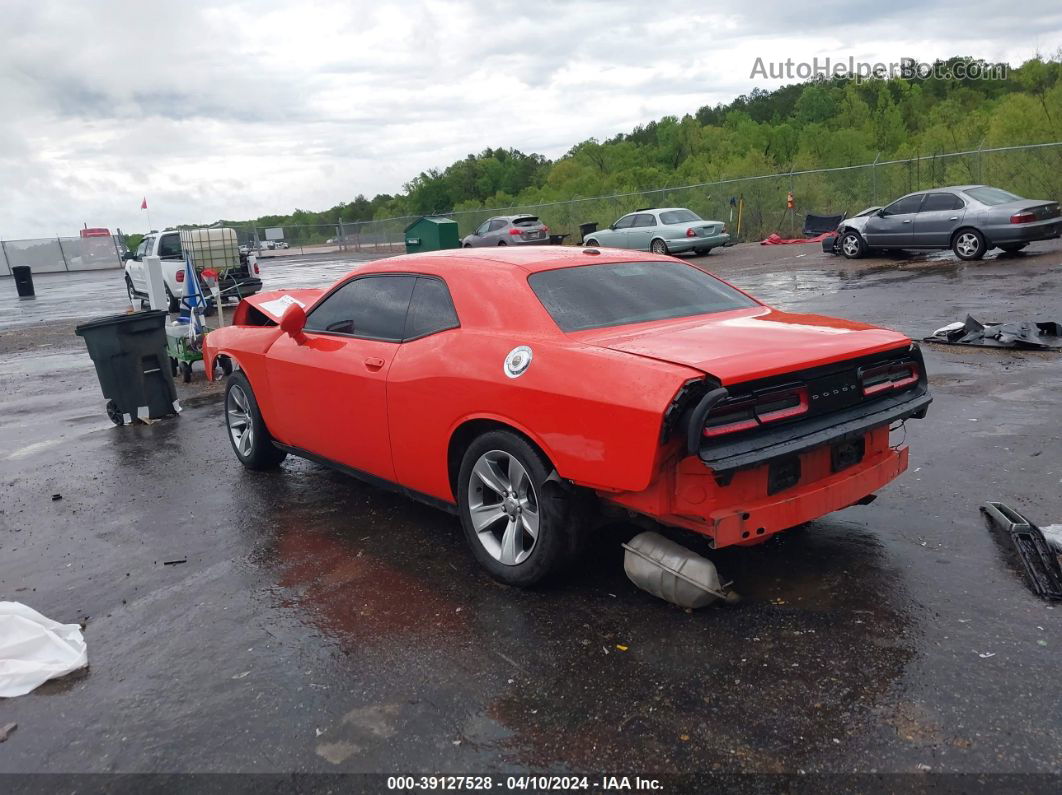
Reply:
x=673, y=573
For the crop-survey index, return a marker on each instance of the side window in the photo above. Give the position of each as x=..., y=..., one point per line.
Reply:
x=431, y=309
x=644, y=219
x=626, y=222
x=497, y=224
x=942, y=201
x=482, y=228
x=908, y=204
x=170, y=247
x=143, y=248
x=370, y=306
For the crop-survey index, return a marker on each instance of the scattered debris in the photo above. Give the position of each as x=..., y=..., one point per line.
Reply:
x=34, y=649
x=1039, y=560
x=56, y=497
x=1023, y=334
x=673, y=573
x=5, y=731
x=621, y=647
x=174, y=562
x=984, y=655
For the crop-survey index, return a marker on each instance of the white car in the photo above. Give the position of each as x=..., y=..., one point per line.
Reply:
x=240, y=277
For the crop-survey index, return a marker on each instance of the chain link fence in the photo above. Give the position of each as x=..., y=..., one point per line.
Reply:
x=752, y=207
x=60, y=254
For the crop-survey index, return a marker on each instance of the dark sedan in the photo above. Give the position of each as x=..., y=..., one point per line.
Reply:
x=968, y=219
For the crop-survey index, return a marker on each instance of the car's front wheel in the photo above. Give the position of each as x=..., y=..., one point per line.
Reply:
x=969, y=244
x=247, y=431
x=658, y=246
x=591, y=242
x=852, y=245
x=521, y=528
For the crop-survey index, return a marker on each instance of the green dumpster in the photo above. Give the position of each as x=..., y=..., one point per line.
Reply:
x=432, y=233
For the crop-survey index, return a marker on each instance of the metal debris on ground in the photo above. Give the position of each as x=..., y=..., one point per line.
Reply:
x=1024, y=334
x=673, y=573
x=5, y=731
x=1039, y=560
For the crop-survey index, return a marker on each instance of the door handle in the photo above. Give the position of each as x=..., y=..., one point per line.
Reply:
x=954, y=218
x=907, y=221
x=374, y=363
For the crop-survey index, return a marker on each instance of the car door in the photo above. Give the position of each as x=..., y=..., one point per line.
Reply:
x=893, y=226
x=478, y=235
x=329, y=388
x=616, y=235
x=494, y=232
x=136, y=264
x=641, y=231
x=940, y=215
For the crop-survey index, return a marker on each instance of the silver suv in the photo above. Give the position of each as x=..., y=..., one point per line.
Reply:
x=508, y=230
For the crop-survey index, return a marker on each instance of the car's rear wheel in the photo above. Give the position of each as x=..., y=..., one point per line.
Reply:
x=658, y=246
x=521, y=528
x=852, y=245
x=1013, y=248
x=248, y=434
x=969, y=244
x=175, y=303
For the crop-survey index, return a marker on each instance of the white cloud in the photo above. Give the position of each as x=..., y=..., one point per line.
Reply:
x=235, y=109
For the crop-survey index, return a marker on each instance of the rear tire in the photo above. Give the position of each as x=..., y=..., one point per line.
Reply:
x=658, y=246
x=175, y=303
x=520, y=527
x=247, y=432
x=969, y=244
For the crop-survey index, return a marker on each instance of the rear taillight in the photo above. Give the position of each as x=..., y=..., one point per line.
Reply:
x=1026, y=217
x=691, y=232
x=180, y=277
x=748, y=413
x=516, y=231
x=723, y=230
x=545, y=229
x=888, y=377
x=255, y=266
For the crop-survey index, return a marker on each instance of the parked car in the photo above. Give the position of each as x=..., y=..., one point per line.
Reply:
x=497, y=385
x=508, y=230
x=239, y=274
x=968, y=219
x=668, y=230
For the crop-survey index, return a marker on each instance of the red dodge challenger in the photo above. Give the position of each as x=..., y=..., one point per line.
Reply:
x=526, y=389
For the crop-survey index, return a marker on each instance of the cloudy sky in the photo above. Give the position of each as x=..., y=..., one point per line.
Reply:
x=214, y=109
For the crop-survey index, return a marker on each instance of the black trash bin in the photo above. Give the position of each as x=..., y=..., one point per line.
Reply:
x=23, y=280
x=129, y=352
x=587, y=229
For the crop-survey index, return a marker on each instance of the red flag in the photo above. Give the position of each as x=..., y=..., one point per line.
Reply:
x=143, y=204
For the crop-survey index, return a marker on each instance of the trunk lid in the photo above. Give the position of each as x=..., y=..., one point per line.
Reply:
x=749, y=344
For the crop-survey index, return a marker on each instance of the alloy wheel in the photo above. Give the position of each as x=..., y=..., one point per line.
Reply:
x=967, y=244
x=503, y=507
x=658, y=247
x=850, y=245
x=238, y=417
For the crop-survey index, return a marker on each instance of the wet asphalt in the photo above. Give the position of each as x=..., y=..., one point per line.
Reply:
x=317, y=624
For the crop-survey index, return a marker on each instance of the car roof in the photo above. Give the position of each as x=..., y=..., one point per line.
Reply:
x=658, y=210
x=531, y=259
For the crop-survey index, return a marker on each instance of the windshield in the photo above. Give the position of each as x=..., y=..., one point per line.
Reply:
x=678, y=217
x=991, y=196
x=599, y=296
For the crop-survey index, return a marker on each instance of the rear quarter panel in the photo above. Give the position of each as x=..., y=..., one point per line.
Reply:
x=595, y=413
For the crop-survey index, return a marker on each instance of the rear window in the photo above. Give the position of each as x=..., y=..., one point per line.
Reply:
x=527, y=220
x=599, y=296
x=678, y=217
x=991, y=196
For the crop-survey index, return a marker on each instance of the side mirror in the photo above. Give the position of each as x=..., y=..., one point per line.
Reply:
x=880, y=213
x=128, y=255
x=293, y=321
x=612, y=227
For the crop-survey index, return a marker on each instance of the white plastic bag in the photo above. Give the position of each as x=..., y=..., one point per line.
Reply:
x=34, y=649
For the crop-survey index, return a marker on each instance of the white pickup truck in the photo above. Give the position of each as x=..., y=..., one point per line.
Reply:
x=238, y=274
